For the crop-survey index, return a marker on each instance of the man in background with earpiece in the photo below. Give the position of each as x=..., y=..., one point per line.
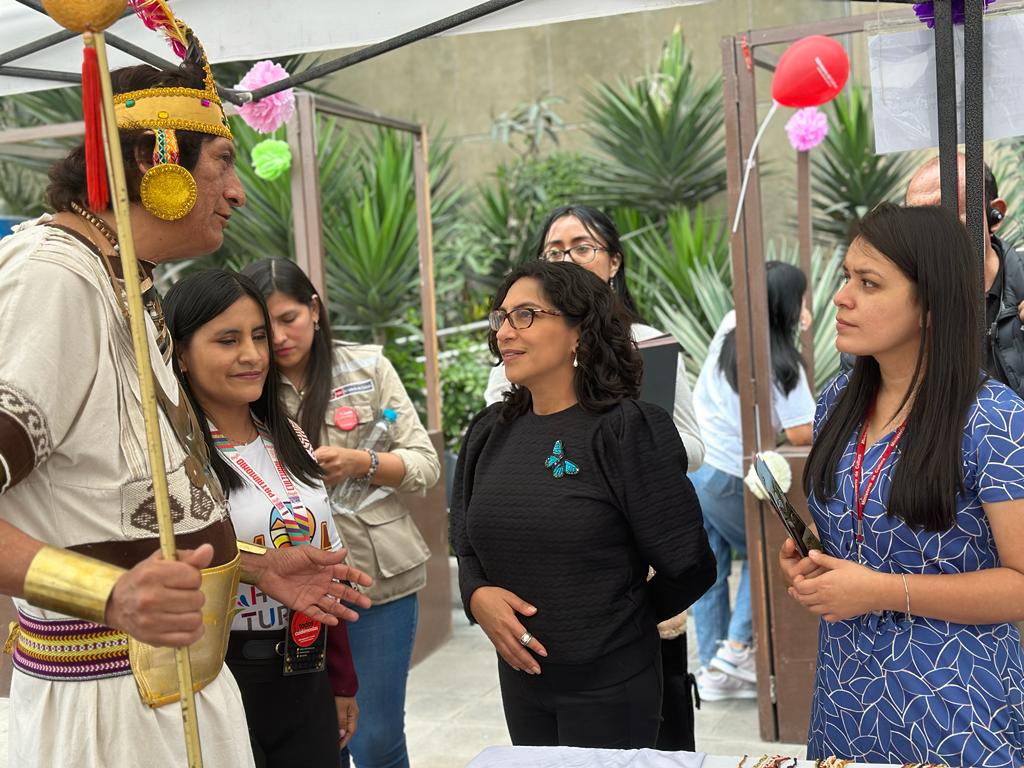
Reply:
x=1004, y=273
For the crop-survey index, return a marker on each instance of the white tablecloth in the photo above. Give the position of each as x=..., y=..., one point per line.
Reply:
x=574, y=757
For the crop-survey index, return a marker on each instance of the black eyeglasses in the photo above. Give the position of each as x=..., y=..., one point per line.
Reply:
x=578, y=254
x=518, y=318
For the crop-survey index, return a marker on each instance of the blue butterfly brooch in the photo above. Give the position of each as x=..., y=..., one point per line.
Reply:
x=559, y=464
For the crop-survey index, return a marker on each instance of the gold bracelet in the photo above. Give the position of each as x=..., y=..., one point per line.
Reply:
x=249, y=577
x=70, y=583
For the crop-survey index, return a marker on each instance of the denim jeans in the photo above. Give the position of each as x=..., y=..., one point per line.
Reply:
x=382, y=650
x=721, y=499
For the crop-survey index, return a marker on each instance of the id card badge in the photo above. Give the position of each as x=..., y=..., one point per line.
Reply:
x=305, y=645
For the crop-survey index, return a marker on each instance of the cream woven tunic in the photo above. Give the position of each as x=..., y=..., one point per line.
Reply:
x=68, y=382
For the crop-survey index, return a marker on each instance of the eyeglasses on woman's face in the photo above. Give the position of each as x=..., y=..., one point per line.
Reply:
x=519, y=318
x=581, y=254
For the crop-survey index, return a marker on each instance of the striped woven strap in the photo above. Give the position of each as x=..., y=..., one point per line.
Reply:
x=68, y=649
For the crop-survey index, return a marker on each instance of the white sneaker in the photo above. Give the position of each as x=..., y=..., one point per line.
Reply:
x=741, y=663
x=713, y=685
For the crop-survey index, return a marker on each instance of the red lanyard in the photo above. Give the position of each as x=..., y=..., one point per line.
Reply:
x=296, y=533
x=861, y=499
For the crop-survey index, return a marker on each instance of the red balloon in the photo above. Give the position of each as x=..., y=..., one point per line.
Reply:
x=811, y=71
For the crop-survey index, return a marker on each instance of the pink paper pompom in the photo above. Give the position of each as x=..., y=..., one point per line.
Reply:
x=271, y=112
x=806, y=128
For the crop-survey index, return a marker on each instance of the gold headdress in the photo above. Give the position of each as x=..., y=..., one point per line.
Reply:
x=168, y=190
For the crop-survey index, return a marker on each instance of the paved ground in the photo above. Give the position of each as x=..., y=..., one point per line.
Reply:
x=454, y=708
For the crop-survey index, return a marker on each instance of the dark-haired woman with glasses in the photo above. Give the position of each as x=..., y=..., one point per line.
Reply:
x=588, y=238
x=564, y=494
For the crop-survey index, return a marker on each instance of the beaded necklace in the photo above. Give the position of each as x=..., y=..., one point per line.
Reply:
x=181, y=415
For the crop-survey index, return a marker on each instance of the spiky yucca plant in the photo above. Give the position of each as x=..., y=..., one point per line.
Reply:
x=693, y=322
x=849, y=179
x=664, y=255
x=660, y=137
x=22, y=168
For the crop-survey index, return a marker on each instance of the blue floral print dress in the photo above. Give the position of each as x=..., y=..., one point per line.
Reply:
x=889, y=690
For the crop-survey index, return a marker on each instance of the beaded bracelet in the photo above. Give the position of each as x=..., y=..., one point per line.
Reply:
x=374, y=463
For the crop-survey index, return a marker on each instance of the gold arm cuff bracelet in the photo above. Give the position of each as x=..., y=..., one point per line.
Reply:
x=249, y=577
x=67, y=582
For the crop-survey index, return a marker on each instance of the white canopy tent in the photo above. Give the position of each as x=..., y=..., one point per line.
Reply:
x=233, y=30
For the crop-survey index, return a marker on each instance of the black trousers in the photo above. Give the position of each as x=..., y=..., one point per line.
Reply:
x=677, y=700
x=622, y=716
x=292, y=720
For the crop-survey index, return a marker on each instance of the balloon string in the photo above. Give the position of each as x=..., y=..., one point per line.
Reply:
x=750, y=164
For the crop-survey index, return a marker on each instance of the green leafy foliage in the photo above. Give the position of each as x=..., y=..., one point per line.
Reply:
x=660, y=137
x=509, y=213
x=848, y=178
x=465, y=366
x=526, y=127
x=663, y=255
x=23, y=167
x=693, y=322
x=1005, y=161
x=371, y=237
x=509, y=207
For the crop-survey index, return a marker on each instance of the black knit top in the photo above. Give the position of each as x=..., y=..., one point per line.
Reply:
x=578, y=546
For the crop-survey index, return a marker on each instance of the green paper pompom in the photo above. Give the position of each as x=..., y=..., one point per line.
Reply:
x=271, y=158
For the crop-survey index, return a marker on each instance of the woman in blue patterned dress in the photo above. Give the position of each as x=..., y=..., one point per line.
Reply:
x=916, y=484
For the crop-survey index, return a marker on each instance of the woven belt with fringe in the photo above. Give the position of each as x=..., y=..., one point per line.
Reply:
x=67, y=649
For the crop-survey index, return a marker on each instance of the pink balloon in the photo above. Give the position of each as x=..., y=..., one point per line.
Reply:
x=811, y=71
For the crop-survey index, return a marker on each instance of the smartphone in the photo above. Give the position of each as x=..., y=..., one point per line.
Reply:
x=800, y=534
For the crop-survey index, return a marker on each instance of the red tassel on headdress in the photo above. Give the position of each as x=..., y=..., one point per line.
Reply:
x=95, y=162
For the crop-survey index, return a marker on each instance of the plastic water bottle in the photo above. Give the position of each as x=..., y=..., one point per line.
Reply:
x=352, y=491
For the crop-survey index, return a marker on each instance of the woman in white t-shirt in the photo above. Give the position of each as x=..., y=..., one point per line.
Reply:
x=587, y=237
x=724, y=639
x=295, y=674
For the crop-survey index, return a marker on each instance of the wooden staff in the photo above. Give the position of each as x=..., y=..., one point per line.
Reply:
x=91, y=17
x=140, y=343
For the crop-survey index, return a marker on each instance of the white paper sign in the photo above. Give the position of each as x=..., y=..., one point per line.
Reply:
x=903, y=90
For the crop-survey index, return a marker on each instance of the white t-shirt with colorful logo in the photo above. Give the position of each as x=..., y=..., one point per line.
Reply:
x=258, y=521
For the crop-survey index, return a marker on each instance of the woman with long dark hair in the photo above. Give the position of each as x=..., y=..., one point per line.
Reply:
x=220, y=327
x=916, y=484
x=565, y=493
x=586, y=237
x=724, y=637
x=337, y=391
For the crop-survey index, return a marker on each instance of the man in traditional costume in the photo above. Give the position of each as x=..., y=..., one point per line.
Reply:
x=99, y=611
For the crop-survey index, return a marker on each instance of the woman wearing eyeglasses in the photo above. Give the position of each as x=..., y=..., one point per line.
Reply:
x=587, y=237
x=565, y=493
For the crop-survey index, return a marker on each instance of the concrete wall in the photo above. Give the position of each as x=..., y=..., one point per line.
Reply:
x=460, y=83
